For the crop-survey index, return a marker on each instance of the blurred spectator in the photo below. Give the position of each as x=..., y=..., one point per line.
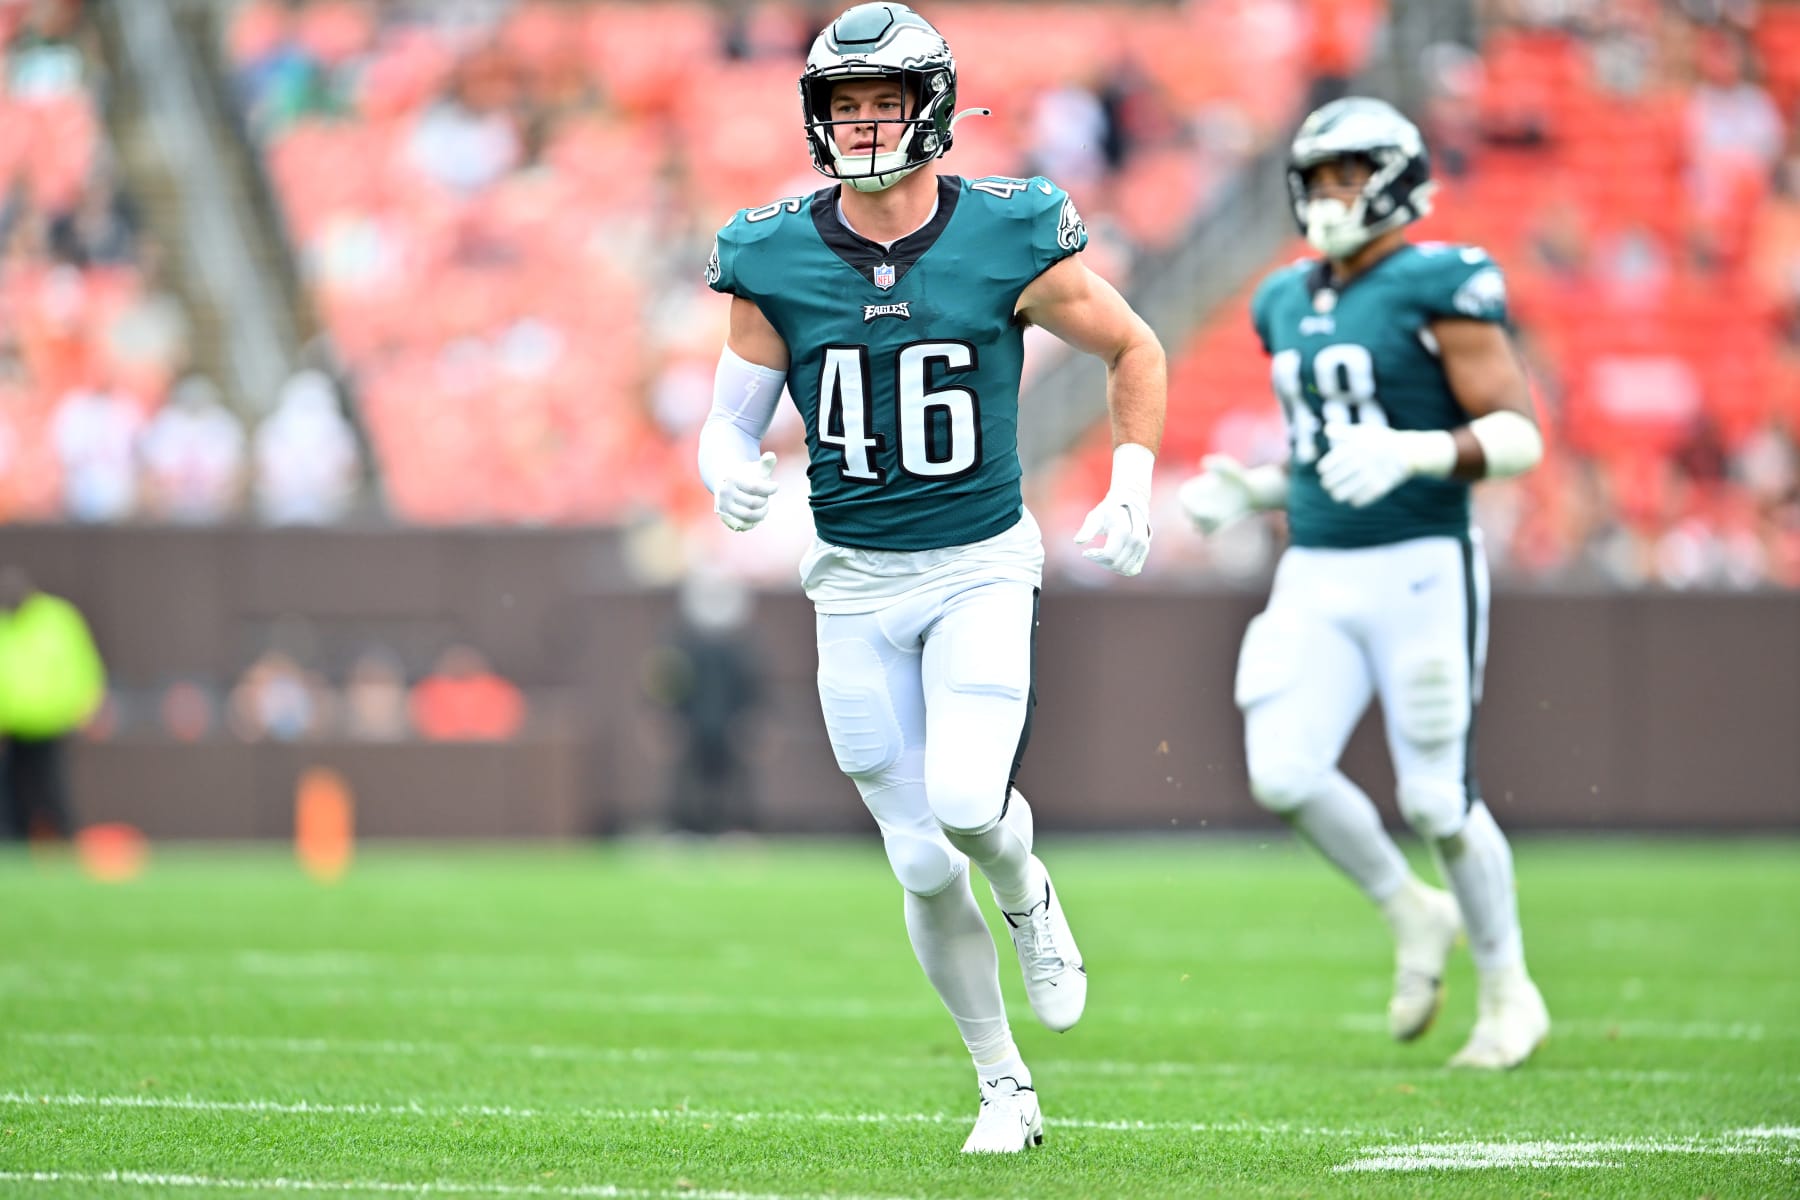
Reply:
x=1559, y=241
x=1775, y=257
x=101, y=230
x=307, y=463
x=464, y=700
x=708, y=675
x=1734, y=130
x=1453, y=77
x=277, y=699
x=150, y=336
x=193, y=454
x=45, y=59
x=279, y=79
x=51, y=682
x=95, y=433
x=469, y=138
x=187, y=710
x=375, y=700
x=1070, y=131
x=1633, y=267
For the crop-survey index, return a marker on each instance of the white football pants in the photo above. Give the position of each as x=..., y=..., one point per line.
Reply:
x=927, y=703
x=1407, y=622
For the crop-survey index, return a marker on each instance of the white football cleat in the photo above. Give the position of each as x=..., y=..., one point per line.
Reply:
x=1055, y=980
x=1511, y=1022
x=1009, y=1121
x=1426, y=924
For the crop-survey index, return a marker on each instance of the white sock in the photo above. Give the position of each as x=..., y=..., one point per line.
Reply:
x=1477, y=863
x=1004, y=855
x=1012, y=1065
x=1342, y=822
x=951, y=939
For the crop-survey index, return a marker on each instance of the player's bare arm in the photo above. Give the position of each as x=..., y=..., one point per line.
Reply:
x=1487, y=378
x=753, y=339
x=1088, y=313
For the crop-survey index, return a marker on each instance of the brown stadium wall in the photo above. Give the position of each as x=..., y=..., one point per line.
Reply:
x=1602, y=710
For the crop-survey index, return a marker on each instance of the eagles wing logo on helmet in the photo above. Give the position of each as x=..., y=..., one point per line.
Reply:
x=712, y=264
x=1070, y=230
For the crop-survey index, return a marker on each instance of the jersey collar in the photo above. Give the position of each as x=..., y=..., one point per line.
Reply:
x=863, y=255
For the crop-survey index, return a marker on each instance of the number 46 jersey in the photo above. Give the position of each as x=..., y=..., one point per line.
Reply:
x=1366, y=354
x=904, y=361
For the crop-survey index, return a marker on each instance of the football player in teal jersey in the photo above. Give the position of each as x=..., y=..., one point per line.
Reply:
x=892, y=306
x=1400, y=385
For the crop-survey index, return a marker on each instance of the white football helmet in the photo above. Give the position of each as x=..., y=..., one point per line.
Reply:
x=877, y=41
x=1398, y=191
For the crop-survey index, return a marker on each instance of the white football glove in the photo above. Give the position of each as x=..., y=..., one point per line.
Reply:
x=1366, y=462
x=1126, y=523
x=1218, y=496
x=742, y=500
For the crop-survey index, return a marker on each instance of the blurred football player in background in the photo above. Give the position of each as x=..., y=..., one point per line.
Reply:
x=1400, y=385
x=892, y=305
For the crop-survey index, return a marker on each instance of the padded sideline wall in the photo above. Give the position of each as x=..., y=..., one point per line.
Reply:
x=1603, y=710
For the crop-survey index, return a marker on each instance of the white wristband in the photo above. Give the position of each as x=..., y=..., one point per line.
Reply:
x=1510, y=442
x=1430, y=452
x=1132, y=466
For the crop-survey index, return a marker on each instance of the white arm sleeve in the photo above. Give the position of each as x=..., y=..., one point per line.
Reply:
x=745, y=397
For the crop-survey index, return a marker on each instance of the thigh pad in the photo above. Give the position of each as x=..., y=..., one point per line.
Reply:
x=859, y=711
x=1431, y=701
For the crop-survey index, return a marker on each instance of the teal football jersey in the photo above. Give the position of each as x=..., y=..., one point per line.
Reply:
x=1365, y=354
x=904, y=361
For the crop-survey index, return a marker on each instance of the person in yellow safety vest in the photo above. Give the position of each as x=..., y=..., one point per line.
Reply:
x=51, y=681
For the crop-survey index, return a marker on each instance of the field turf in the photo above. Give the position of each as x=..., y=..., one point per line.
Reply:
x=746, y=1020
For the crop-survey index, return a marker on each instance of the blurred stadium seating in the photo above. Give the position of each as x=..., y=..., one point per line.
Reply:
x=495, y=210
x=1622, y=170
x=90, y=339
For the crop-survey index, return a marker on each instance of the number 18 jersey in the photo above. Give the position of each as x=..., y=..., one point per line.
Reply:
x=905, y=360
x=1365, y=354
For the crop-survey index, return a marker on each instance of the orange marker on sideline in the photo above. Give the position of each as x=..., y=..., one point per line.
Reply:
x=112, y=852
x=324, y=824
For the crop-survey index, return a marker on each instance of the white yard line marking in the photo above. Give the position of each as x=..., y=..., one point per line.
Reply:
x=434, y=1187
x=702, y=1116
x=313, y=994
x=1582, y=1152
x=224, y=1043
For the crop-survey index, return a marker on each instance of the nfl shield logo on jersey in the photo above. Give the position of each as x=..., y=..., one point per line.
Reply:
x=884, y=276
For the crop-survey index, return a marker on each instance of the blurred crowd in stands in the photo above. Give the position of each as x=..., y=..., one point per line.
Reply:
x=102, y=416
x=499, y=208
x=284, y=694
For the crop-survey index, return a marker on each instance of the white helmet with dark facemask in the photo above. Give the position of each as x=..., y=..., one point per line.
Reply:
x=1399, y=187
x=880, y=41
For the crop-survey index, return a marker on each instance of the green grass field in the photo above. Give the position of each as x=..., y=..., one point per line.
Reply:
x=739, y=1021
